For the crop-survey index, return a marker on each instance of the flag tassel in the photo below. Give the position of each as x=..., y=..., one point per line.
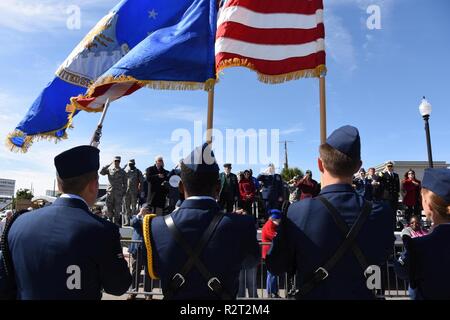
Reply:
x=28, y=140
x=273, y=79
x=151, y=84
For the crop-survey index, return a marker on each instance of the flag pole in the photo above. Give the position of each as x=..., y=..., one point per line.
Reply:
x=323, y=116
x=209, y=124
x=323, y=111
x=95, y=141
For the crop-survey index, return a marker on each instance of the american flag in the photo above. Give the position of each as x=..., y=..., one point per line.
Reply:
x=96, y=99
x=279, y=39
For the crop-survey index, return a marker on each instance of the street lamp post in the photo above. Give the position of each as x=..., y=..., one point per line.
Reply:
x=425, y=111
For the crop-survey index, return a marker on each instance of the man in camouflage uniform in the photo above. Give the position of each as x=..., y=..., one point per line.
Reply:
x=135, y=181
x=116, y=189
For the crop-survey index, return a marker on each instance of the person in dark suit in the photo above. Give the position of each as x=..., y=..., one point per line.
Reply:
x=390, y=186
x=315, y=238
x=157, y=178
x=64, y=251
x=198, y=250
x=174, y=190
x=376, y=187
x=229, y=189
x=363, y=185
x=272, y=189
x=426, y=259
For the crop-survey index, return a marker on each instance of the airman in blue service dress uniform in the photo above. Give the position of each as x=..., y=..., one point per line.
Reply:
x=330, y=240
x=63, y=251
x=198, y=250
x=426, y=261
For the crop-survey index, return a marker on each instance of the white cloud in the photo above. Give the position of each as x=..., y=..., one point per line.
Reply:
x=179, y=112
x=339, y=42
x=31, y=16
x=339, y=39
x=47, y=15
x=298, y=127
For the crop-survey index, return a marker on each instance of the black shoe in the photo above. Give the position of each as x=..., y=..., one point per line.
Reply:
x=292, y=292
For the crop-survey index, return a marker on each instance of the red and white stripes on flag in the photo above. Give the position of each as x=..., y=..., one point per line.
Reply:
x=96, y=99
x=279, y=39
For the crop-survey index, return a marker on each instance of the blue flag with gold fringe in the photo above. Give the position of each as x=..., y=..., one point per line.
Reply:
x=164, y=44
x=180, y=57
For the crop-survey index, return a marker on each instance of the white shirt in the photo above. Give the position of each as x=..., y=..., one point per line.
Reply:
x=201, y=198
x=73, y=196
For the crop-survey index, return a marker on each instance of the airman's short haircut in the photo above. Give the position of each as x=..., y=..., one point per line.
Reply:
x=76, y=185
x=337, y=163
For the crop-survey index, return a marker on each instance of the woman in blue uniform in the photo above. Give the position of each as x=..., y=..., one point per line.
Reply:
x=427, y=258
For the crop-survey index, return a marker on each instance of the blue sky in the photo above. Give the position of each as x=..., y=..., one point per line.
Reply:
x=375, y=81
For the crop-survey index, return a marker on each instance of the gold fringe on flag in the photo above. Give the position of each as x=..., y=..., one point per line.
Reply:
x=152, y=84
x=74, y=106
x=30, y=139
x=273, y=79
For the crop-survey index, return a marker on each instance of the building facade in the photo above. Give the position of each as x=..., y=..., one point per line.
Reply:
x=7, y=188
x=401, y=167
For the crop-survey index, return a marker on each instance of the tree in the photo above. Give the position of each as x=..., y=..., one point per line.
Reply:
x=289, y=173
x=24, y=194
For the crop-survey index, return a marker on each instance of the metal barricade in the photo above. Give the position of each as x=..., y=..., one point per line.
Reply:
x=392, y=286
x=142, y=284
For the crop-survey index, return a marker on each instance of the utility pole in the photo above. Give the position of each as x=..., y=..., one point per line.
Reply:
x=286, y=163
